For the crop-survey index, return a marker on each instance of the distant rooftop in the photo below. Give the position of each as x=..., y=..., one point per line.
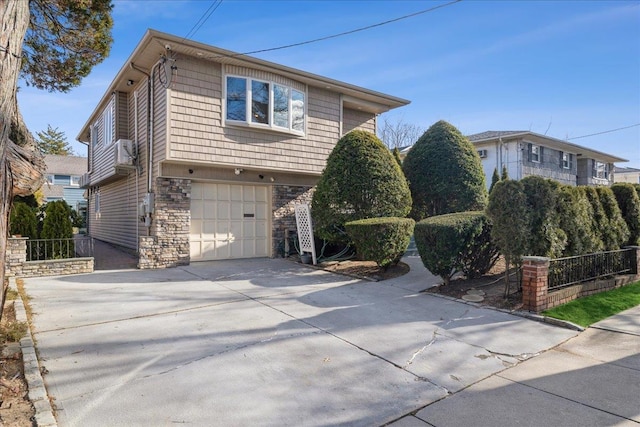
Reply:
x=65, y=165
x=490, y=134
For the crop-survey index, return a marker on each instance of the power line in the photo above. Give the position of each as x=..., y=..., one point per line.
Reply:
x=205, y=16
x=604, y=131
x=333, y=36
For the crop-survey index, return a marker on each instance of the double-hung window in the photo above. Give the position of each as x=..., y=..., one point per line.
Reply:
x=600, y=170
x=264, y=104
x=534, y=153
x=566, y=160
x=107, y=124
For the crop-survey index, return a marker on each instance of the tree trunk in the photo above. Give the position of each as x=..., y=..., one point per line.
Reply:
x=21, y=168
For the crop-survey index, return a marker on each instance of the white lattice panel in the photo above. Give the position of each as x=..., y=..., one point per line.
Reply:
x=305, y=230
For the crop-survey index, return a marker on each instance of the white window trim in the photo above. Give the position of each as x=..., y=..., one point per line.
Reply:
x=51, y=179
x=107, y=131
x=534, y=146
x=269, y=126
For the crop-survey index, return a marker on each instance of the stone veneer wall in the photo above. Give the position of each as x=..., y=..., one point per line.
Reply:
x=168, y=244
x=284, y=199
x=17, y=264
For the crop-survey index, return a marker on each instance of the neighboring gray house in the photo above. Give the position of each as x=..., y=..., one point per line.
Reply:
x=63, y=180
x=198, y=153
x=631, y=175
x=527, y=153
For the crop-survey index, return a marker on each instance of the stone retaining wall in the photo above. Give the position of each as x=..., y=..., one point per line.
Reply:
x=17, y=264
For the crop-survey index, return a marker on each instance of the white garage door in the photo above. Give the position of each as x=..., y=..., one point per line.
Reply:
x=229, y=221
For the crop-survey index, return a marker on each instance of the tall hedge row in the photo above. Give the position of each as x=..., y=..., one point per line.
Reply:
x=540, y=217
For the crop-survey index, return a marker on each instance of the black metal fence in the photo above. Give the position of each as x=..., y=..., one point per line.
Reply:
x=47, y=249
x=577, y=269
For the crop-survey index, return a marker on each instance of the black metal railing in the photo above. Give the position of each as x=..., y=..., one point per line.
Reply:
x=47, y=249
x=577, y=269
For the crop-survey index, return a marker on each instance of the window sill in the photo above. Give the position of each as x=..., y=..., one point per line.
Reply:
x=262, y=128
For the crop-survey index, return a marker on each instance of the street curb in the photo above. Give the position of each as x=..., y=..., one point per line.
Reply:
x=37, y=390
x=519, y=313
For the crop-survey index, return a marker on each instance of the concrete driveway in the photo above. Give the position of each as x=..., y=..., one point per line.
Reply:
x=263, y=342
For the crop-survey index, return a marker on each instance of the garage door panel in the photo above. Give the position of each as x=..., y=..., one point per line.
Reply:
x=229, y=221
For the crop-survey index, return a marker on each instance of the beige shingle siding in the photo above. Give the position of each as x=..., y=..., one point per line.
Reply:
x=118, y=215
x=355, y=119
x=198, y=134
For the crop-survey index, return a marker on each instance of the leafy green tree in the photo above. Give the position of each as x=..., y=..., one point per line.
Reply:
x=23, y=221
x=617, y=231
x=509, y=214
x=545, y=237
x=52, y=45
x=445, y=173
x=361, y=180
x=629, y=204
x=53, y=141
x=495, y=178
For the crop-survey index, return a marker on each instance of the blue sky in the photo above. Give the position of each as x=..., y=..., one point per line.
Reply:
x=567, y=69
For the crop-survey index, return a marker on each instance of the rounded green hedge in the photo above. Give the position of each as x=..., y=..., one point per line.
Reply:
x=456, y=242
x=383, y=240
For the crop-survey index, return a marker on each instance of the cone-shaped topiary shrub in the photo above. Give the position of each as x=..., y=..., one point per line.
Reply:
x=361, y=180
x=57, y=225
x=23, y=221
x=445, y=173
x=383, y=240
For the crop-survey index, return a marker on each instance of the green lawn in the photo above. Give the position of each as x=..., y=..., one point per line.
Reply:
x=588, y=310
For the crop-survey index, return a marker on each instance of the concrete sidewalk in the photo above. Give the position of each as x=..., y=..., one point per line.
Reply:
x=590, y=380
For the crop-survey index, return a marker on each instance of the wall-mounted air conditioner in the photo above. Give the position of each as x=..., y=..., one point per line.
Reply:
x=85, y=179
x=124, y=153
x=482, y=153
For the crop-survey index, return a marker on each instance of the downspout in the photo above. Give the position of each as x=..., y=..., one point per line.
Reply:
x=135, y=137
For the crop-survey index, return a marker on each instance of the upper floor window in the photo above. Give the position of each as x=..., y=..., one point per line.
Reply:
x=566, y=160
x=94, y=134
x=75, y=180
x=600, y=170
x=51, y=179
x=535, y=152
x=107, y=124
x=266, y=104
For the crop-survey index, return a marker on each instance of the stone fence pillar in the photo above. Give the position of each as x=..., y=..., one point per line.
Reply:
x=16, y=255
x=535, y=272
x=637, y=257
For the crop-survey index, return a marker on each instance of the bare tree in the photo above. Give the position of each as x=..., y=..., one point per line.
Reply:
x=396, y=133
